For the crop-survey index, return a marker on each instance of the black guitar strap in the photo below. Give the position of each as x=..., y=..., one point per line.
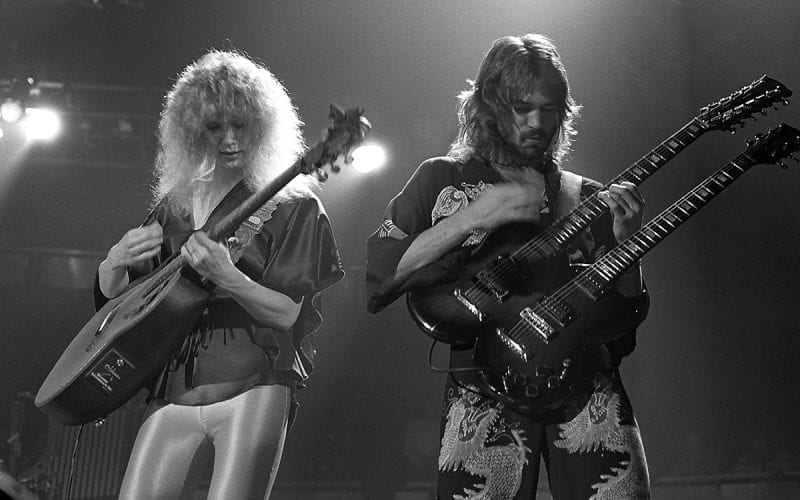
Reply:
x=563, y=191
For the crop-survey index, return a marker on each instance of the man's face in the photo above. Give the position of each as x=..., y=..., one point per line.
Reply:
x=229, y=139
x=530, y=127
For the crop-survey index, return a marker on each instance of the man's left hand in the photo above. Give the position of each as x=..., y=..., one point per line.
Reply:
x=627, y=208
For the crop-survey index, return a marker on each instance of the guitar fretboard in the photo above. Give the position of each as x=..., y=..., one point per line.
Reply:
x=553, y=238
x=595, y=279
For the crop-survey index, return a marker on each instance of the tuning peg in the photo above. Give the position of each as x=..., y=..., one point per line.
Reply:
x=322, y=175
x=750, y=142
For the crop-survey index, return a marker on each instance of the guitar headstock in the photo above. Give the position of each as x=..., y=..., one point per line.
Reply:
x=346, y=133
x=731, y=112
x=774, y=146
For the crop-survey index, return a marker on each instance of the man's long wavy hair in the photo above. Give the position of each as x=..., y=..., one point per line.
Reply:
x=230, y=84
x=512, y=70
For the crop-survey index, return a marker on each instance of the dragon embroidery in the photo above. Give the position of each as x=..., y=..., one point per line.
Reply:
x=451, y=199
x=471, y=443
x=598, y=425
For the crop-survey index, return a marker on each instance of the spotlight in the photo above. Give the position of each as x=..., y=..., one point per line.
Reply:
x=42, y=124
x=368, y=158
x=11, y=110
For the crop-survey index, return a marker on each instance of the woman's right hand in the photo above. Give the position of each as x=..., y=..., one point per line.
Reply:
x=136, y=247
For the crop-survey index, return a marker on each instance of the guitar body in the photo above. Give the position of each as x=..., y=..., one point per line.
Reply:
x=457, y=311
x=534, y=376
x=122, y=347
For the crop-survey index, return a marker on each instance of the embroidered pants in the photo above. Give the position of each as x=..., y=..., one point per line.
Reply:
x=244, y=434
x=490, y=452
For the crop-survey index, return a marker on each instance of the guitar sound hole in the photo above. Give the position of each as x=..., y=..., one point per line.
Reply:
x=146, y=299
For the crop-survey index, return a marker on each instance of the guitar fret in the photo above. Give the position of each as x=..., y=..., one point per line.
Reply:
x=628, y=252
x=673, y=219
x=694, y=128
x=674, y=144
x=639, y=172
x=682, y=208
x=657, y=223
x=651, y=162
x=645, y=245
x=637, y=248
x=668, y=148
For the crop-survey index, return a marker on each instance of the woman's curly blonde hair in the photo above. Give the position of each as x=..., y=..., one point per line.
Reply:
x=231, y=84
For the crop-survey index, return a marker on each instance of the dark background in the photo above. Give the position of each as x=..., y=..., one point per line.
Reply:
x=714, y=377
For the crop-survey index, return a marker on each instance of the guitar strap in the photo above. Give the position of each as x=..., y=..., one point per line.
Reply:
x=563, y=192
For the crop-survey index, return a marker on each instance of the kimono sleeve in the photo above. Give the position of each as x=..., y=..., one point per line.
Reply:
x=407, y=215
x=304, y=261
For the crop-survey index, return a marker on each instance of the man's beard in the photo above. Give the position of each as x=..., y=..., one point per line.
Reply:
x=514, y=157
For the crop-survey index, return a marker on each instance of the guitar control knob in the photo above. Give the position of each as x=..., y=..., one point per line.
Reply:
x=553, y=382
x=531, y=390
x=564, y=370
x=542, y=371
x=519, y=379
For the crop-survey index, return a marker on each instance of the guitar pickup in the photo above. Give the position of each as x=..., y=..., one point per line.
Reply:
x=559, y=310
x=488, y=280
x=593, y=284
x=541, y=328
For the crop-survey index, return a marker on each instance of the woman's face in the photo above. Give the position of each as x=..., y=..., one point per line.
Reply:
x=229, y=139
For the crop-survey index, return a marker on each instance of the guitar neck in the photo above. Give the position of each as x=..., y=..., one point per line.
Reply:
x=565, y=229
x=608, y=268
x=234, y=219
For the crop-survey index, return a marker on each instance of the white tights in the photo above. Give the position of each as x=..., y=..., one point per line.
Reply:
x=175, y=443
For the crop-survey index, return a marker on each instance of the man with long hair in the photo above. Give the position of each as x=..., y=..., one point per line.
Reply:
x=228, y=127
x=504, y=171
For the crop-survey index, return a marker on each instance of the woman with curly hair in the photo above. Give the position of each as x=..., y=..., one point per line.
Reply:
x=501, y=177
x=227, y=128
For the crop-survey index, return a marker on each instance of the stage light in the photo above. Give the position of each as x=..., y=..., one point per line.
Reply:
x=42, y=124
x=11, y=110
x=368, y=158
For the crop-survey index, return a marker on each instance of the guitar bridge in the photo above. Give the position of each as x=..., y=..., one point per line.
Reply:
x=543, y=330
x=466, y=303
x=512, y=345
